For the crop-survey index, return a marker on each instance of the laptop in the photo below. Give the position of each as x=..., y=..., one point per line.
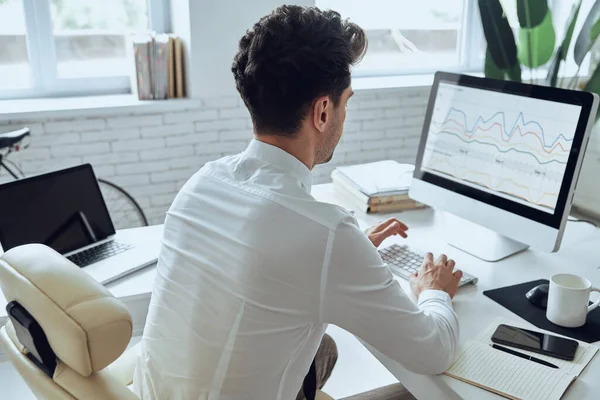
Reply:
x=65, y=210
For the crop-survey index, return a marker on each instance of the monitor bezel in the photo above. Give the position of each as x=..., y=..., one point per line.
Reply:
x=579, y=98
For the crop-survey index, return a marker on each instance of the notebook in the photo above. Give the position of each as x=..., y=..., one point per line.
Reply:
x=140, y=54
x=171, y=65
x=179, y=69
x=479, y=364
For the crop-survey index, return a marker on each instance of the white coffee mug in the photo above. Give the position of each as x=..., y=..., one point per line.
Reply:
x=568, y=300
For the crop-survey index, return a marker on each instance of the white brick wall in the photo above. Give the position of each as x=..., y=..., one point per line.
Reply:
x=152, y=155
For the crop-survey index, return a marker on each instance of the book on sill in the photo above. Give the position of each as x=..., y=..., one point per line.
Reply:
x=381, y=178
x=513, y=377
x=157, y=66
x=141, y=55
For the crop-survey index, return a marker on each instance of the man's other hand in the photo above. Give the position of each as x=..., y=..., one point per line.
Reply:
x=378, y=233
x=439, y=275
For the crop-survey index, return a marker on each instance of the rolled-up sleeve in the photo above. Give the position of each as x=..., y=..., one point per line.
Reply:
x=359, y=294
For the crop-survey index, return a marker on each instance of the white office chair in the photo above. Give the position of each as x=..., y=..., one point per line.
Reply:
x=64, y=328
x=66, y=333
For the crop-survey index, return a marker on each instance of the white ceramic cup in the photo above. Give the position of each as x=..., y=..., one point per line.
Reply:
x=568, y=300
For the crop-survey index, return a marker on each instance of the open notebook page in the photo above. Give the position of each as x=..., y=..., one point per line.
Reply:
x=508, y=375
x=478, y=363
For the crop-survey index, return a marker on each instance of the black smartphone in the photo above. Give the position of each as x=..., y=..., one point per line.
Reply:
x=537, y=342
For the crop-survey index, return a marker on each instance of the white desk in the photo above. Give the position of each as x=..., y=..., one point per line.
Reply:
x=580, y=253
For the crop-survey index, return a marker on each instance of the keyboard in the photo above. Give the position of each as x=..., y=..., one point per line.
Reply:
x=404, y=261
x=98, y=253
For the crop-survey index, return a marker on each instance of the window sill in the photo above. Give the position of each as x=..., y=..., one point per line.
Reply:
x=90, y=106
x=87, y=106
x=392, y=82
x=426, y=80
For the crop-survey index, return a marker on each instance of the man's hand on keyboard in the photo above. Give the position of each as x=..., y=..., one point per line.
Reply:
x=439, y=275
x=381, y=231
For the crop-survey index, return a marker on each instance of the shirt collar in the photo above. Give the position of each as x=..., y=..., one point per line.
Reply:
x=281, y=158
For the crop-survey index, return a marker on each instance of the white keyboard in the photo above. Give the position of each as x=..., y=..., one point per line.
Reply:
x=404, y=261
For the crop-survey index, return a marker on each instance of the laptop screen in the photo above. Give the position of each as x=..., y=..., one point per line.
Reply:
x=63, y=210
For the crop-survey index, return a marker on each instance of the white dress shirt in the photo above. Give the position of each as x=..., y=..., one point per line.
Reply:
x=251, y=272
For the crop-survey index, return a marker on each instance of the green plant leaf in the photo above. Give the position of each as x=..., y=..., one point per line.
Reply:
x=593, y=85
x=595, y=31
x=571, y=22
x=536, y=45
x=498, y=34
x=552, y=76
x=490, y=69
x=531, y=13
x=584, y=40
x=514, y=72
x=561, y=52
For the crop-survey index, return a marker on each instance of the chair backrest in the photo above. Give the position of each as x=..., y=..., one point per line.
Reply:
x=63, y=329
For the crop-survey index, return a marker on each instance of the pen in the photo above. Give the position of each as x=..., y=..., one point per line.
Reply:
x=525, y=356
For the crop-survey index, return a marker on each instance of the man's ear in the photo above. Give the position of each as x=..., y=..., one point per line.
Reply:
x=322, y=108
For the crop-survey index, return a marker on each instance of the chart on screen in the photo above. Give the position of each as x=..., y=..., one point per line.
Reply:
x=512, y=146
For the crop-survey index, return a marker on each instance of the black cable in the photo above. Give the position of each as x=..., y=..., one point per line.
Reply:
x=585, y=221
x=15, y=166
x=10, y=171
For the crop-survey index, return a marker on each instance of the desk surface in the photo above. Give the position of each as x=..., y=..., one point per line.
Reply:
x=580, y=253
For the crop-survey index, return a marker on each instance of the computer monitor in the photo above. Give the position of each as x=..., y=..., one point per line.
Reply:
x=503, y=158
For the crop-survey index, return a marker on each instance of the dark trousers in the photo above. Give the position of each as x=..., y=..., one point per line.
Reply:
x=325, y=360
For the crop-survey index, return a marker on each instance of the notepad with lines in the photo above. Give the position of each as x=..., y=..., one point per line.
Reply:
x=479, y=364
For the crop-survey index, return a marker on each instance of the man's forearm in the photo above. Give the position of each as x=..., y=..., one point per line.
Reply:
x=438, y=305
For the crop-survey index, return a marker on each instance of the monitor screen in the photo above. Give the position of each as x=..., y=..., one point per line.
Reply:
x=509, y=145
x=512, y=146
x=64, y=210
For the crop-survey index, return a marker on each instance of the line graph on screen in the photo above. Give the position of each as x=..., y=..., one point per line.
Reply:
x=517, y=153
x=526, y=137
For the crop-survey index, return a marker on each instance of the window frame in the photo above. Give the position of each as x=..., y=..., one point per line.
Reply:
x=43, y=63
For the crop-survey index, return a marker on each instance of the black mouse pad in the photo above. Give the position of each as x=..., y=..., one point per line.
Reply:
x=513, y=298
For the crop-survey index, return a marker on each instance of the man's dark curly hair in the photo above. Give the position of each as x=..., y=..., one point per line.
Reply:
x=291, y=57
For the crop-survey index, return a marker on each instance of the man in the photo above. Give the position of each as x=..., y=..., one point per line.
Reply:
x=253, y=269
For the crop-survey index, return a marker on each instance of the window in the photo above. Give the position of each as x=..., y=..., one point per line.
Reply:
x=408, y=36
x=70, y=47
x=423, y=36
x=15, y=71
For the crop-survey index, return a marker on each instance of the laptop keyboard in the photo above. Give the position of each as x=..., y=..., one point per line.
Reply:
x=98, y=253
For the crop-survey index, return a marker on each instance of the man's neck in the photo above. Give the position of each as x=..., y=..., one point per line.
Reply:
x=298, y=146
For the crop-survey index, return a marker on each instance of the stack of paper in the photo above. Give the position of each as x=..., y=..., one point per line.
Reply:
x=376, y=187
x=513, y=377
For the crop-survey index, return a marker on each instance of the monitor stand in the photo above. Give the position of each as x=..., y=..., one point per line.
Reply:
x=480, y=241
